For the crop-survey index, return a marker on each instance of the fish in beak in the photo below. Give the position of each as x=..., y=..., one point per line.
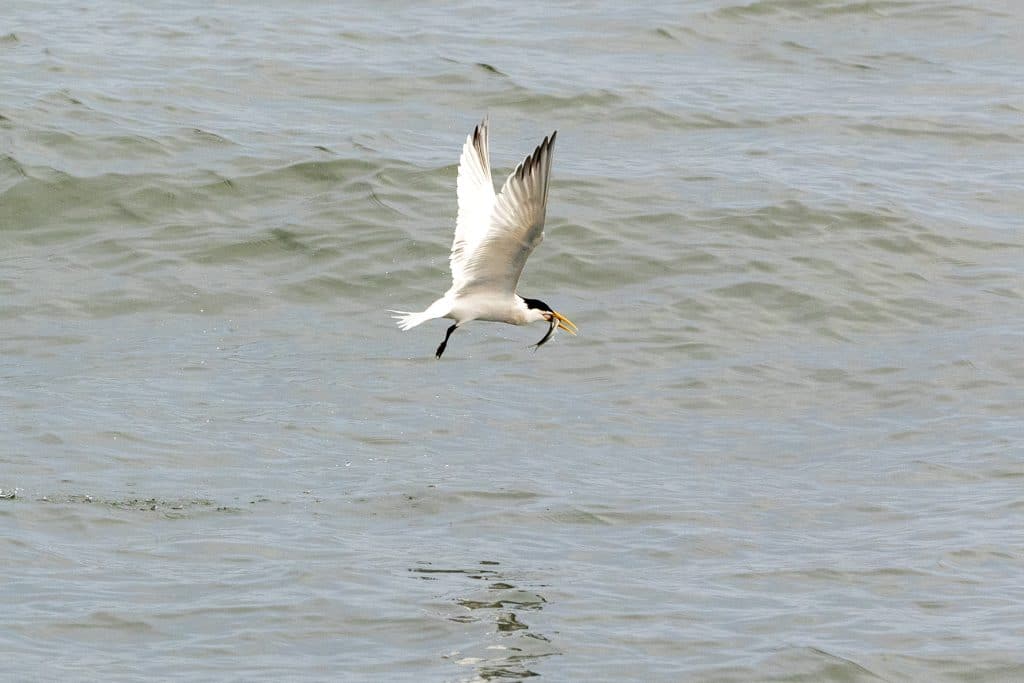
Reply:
x=557, y=321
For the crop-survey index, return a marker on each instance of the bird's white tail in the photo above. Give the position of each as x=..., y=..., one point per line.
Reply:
x=407, y=320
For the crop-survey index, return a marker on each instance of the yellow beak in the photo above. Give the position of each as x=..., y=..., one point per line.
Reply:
x=564, y=323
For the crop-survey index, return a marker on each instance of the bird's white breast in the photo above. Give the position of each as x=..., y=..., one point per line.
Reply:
x=502, y=309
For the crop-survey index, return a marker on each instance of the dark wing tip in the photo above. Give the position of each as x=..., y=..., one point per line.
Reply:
x=479, y=141
x=532, y=160
x=545, y=146
x=480, y=129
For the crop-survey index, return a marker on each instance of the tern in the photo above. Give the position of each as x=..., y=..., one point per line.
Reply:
x=494, y=235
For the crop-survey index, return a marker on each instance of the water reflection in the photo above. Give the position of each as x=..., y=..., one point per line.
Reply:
x=509, y=649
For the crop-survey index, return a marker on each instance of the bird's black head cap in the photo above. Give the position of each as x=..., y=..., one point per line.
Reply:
x=536, y=303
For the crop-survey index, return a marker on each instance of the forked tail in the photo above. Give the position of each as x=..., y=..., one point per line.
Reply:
x=407, y=320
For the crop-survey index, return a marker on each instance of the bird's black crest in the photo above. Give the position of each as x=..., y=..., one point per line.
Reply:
x=536, y=303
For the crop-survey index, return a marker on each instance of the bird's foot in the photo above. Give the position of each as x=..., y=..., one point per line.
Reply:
x=444, y=344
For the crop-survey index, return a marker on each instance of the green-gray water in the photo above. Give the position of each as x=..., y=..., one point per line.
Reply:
x=787, y=444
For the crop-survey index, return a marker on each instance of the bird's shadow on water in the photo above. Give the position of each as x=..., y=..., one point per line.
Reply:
x=509, y=650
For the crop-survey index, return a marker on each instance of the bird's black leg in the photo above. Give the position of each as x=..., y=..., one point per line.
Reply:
x=440, y=349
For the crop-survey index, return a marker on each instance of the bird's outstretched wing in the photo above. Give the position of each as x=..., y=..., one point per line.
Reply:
x=494, y=260
x=475, y=190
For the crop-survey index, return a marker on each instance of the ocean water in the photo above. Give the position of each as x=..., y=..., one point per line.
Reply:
x=787, y=444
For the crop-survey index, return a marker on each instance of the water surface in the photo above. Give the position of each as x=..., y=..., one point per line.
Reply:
x=787, y=444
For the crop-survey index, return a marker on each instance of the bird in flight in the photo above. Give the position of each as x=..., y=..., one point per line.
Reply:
x=494, y=235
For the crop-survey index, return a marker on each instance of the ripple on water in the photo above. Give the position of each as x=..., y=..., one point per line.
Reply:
x=485, y=597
